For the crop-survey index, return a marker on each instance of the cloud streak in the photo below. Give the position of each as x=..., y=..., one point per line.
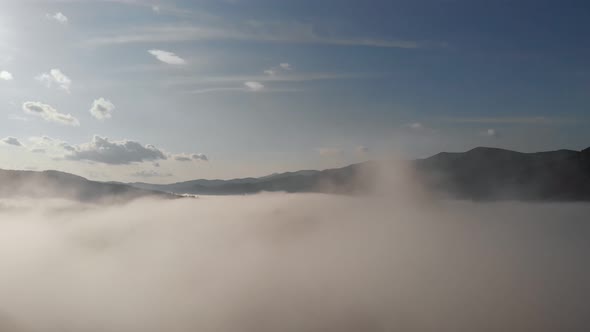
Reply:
x=49, y=113
x=296, y=33
x=505, y=120
x=167, y=57
x=183, y=157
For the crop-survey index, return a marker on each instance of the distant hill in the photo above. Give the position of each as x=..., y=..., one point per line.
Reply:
x=490, y=174
x=332, y=180
x=478, y=174
x=53, y=184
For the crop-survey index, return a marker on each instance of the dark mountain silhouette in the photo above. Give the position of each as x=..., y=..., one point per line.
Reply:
x=478, y=174
x=490, y=173
x=332, y=180
x=54, y=184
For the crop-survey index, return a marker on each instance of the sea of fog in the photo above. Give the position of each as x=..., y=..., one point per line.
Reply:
x=294, y=263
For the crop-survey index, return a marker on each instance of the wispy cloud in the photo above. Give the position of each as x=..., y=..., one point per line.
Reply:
x=49, y=113
x=490, y=133
x=292, y=77
x=254, y=86
x=286, y=66
x=415, y=126
x=504, y=120
x=270, y=32
x=214, y=90
x=281, y=68
x=58, y=17
x=55, y=77
x=167, y=57
x=49, y=146
x=184, y=157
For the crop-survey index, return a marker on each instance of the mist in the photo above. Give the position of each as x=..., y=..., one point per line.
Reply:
x=293, y=262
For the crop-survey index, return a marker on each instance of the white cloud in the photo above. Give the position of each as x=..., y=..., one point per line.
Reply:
x=254, y=86
x=49, y=113
x=11, y=141
x=58, y=17
x=102, y=109
x=156, y=9
x=490, y=133
x=292, y=77
x=282, y=67
x=50, y=146
x=55, y=76
x=4, y=75
x=103, y=150
x=270, y=32
x=415, y=126
x=183, y=157
x=507, y=119
x=167, y=57
x=220, y=89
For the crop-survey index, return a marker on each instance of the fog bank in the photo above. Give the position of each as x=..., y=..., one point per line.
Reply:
x=293, y=262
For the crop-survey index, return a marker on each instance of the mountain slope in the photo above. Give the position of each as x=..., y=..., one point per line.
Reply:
x=53, y=184
x=489, y=173
x=333, y=180
x=478, y=174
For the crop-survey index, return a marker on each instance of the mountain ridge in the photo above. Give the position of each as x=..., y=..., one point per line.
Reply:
x=57, y=184
x=482, y=173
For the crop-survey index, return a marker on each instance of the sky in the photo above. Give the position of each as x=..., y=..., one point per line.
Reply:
x=166, y=91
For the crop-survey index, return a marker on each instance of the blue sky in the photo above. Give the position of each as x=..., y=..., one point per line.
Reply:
x=163, y=91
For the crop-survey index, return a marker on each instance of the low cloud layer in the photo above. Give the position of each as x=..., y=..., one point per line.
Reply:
x=49, y=113
x=292, y=263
